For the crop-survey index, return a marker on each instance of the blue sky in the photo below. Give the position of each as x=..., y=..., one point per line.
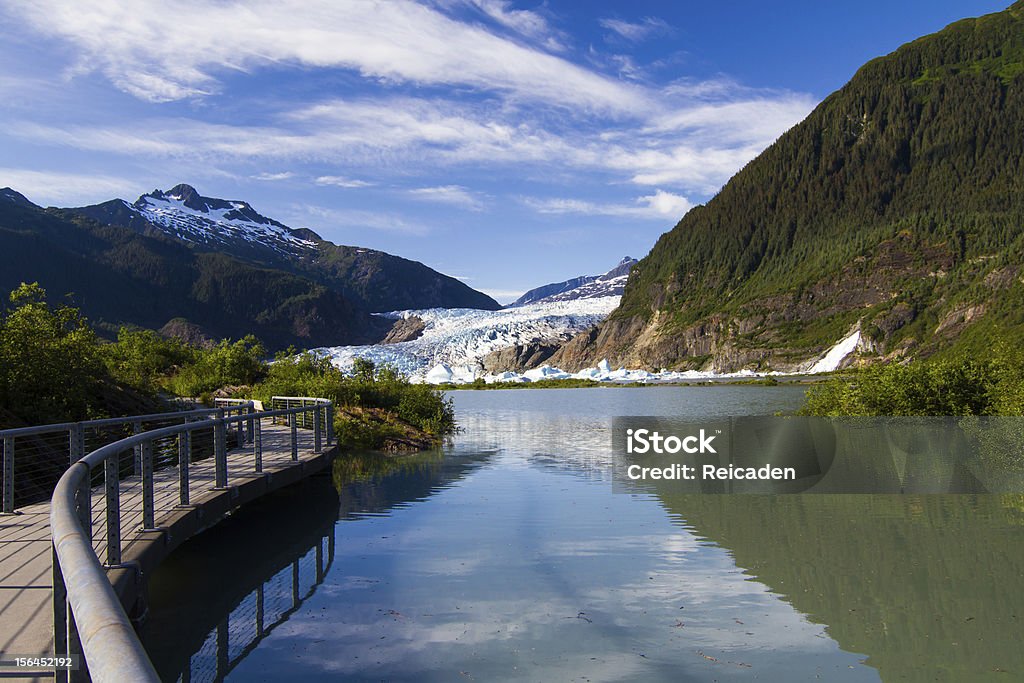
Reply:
x=506, y=143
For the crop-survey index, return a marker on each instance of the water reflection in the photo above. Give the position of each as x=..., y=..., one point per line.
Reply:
x=929, y=587
x=508, y=557
x=216, y=598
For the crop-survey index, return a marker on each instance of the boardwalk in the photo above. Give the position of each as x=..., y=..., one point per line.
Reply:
x=26, y=618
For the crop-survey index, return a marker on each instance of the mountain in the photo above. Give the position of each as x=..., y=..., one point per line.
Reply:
x=611, y=283
x=892, y=215
x=117, y=276
x=373, y=279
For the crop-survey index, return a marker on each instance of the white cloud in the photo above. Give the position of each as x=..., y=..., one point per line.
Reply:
x=448, y=194
x=503, y=296
x=527, y=23
x=67, y=189
x=159, y=56
x=659, y=206
x=341, y=181
x=353, y=220
x=636, y=32
x=692, y=146
x=273, y=177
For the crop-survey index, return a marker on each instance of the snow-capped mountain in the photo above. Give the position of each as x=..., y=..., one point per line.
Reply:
x=611, y=283
x=184, y=213
x=375, y=280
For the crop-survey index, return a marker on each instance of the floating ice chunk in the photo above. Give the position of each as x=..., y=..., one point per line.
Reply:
x=439, y=374
x=546, y=372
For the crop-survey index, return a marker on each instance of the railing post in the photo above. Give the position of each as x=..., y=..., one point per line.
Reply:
x=240, y=430
x=112, y=485
x=76, y=443
x=319, y=560
x=137, y=429
x=81, y=675
x=184, y=458
x=295, y=584
x=330, y=423
x=60, y=613
x=8, y=474
x=251, y=410
x=316, y=430
x=257, y=444
x=148, y=495
x=220, y=454
x=83, y=498
x=295, y=436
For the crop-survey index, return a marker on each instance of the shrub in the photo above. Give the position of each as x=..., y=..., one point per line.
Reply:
x=228, y=363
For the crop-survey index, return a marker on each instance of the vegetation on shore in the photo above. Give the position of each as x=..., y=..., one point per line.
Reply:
x=54, y=368
x=955, y=385
x=377, y=408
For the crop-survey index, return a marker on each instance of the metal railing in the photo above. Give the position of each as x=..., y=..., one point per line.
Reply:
x=88, y=616
x=34, y=458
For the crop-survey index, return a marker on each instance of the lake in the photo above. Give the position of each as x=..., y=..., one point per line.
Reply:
x=508, y=556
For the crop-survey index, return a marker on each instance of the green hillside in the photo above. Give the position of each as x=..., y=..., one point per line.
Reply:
x=117, y=277
x=897, y=204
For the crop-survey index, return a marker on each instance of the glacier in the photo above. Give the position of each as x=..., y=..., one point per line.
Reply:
x=459, y=338
x=456, y=340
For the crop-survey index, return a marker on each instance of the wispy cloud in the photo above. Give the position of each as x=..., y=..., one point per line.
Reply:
x=274, y=177
x=659, y=206
x=145, y=53
x=636, y=32
x=45, y=187
x=693, y=146
x=448, y=194
x=342, y=181
x=503, y=296
x=354, y=220
x=527, y=23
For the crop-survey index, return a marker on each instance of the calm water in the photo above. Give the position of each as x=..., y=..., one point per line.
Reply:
x=508, y=557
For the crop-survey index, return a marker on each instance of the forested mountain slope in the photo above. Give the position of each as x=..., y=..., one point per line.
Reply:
x=896, y=206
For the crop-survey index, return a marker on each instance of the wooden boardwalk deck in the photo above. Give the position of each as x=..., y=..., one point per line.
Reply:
x=26, y=614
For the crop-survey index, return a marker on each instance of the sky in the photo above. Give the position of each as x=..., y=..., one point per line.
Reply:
x=509, y=144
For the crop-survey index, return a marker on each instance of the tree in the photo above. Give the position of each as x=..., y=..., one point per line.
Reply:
x=49, y=360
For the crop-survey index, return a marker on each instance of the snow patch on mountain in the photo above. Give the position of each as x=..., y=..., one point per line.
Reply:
x=612, y=283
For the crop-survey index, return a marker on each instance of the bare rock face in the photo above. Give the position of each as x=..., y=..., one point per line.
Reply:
x=518, y=358
x=188, y=332
x=405, y=329
x=764, y=334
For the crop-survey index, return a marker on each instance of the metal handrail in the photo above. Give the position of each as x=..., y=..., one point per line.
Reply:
x=96, y=620
x=76, y=432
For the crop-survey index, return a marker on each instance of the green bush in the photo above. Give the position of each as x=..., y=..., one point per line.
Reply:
x=365, y=387
x=949, y=386
x=228, y=363
x=143, y=358
x=50, y=366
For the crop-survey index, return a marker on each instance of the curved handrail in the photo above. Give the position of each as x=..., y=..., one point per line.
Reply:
x=108, y=639
x=111, y=647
